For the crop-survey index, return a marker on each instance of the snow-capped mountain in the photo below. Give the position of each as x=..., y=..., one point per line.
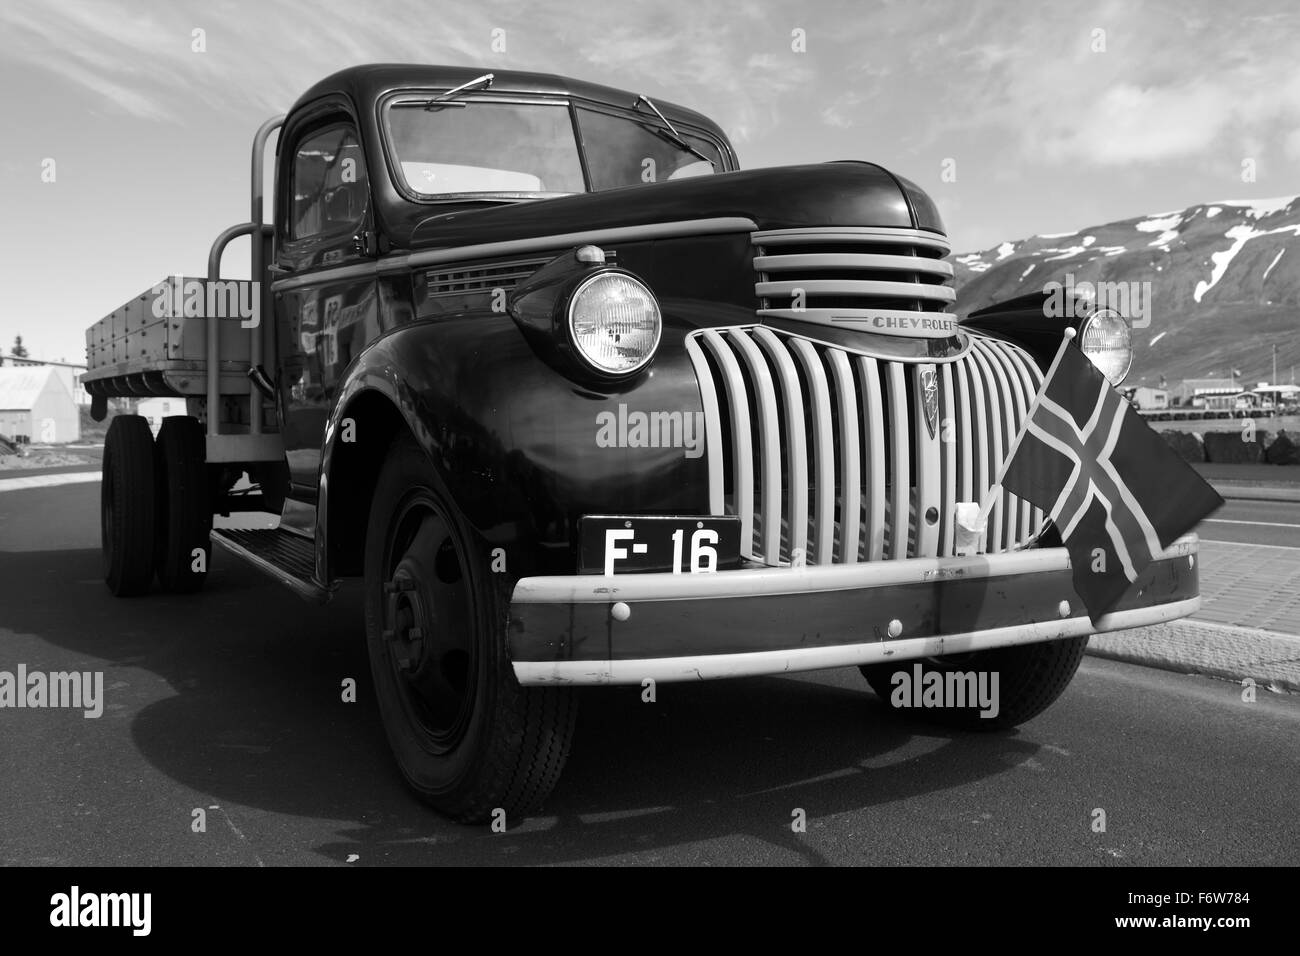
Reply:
x=1224, y=283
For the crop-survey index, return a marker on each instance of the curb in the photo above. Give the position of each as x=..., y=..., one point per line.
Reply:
x=1188, y=646
x=1247, y=492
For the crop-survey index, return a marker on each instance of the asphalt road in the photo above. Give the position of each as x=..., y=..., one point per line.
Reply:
x=1275, y=523
x=230, y=702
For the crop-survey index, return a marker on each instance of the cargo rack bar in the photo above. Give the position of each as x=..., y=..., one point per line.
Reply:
x=256, y=230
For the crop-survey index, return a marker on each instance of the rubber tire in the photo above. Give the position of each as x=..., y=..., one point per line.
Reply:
x=184, y=520
x=517, y=739
x=1030, y=679
x=127, y=538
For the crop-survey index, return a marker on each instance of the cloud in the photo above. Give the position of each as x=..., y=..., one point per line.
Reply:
x=839, y=114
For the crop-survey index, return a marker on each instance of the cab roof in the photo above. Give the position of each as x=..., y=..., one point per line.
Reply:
x=365, y=83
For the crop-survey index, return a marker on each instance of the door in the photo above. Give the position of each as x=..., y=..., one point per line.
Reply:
x=325, y=296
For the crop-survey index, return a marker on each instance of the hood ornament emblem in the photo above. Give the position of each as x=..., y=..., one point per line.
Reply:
x=930, y=397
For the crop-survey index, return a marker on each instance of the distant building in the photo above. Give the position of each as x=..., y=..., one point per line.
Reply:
x=156, y=409
x=1189, y=388
x=1144, y=397
x=70, y=372
x=36, y=405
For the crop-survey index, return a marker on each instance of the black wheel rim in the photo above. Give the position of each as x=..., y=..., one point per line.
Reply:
x=427, y=610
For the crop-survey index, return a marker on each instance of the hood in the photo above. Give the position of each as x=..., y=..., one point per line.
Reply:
x=785, y=197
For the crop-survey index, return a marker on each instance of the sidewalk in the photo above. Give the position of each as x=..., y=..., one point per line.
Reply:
x=1250, y=585
x=1248, y=625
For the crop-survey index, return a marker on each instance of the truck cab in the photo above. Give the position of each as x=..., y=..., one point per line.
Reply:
x=579, y=401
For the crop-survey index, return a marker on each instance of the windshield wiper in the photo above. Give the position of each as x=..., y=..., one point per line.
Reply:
x=671, y=133
x=443, y=99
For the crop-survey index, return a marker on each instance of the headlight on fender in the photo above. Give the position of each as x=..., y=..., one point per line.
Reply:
x=1106, y=340
x=614, y=323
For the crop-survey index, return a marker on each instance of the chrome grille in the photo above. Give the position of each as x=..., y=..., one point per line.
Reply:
x=855, y=278
x=827, y=453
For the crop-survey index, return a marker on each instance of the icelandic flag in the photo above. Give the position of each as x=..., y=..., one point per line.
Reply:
x=1114, y=489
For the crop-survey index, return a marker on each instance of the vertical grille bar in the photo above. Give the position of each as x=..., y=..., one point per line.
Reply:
x=899, y=436
x=1018, y=525
x=979, y=411
x=850, y=477
x=873, y=442
x=929, y=477
x=1007, y=424
x=712, y=426
x=742, y=454
x=948, y=444
x=796, y=440
x=1030, y=379
x=770, y=495
x=823, y=451
x=965, y=427
x=994, y=425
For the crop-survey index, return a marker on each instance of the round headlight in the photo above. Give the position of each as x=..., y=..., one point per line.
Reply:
x=1106, y=340
x=614, y=322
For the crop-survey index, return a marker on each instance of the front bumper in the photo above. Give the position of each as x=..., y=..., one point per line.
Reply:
x=563, y=629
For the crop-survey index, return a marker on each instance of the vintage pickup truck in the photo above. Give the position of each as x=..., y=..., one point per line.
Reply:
x=583, y=403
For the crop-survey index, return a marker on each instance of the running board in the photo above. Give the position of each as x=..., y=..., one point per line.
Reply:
x=287, y=557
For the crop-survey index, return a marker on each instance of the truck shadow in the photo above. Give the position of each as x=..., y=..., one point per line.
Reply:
x=257, y=718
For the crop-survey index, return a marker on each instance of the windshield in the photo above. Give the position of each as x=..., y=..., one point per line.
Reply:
x=482, y=147
x=623, y=152
x=530, y=150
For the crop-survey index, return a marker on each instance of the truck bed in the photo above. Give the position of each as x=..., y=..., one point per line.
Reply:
x=156, y=344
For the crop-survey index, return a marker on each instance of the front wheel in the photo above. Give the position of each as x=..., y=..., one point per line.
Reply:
x=1029, y=679
x=467, y=737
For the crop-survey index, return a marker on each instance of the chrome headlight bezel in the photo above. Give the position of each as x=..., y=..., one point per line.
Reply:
x=575, y=341
x=1092, y=325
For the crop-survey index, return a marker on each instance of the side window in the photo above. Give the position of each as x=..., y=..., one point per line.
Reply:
x=329, y=183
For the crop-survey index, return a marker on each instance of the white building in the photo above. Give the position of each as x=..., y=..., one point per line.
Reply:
x=70, y=372
x=1144, y=397
x=36, y=405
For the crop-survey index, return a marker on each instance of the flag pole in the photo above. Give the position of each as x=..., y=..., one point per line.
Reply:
x=994, y=492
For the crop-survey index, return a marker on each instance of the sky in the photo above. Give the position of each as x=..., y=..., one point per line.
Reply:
x=1020, y=117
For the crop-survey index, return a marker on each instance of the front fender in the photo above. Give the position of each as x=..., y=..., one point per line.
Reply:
x=1036, y=322
x=523, y=451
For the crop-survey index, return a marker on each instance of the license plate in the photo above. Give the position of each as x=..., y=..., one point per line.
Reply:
x=678, y=544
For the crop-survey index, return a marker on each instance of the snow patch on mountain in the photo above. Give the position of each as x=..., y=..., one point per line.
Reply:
x=1259, y=208
x=973, y=262
x=1065, y=253
x=1239, y=235
x=1167, y=226
x=1157, y=338
x=1213, y=211
x=1279, y=255
x=1160, y=224
x=1005, y=250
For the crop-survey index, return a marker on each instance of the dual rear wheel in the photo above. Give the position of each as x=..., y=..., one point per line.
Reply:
x=155, y=506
